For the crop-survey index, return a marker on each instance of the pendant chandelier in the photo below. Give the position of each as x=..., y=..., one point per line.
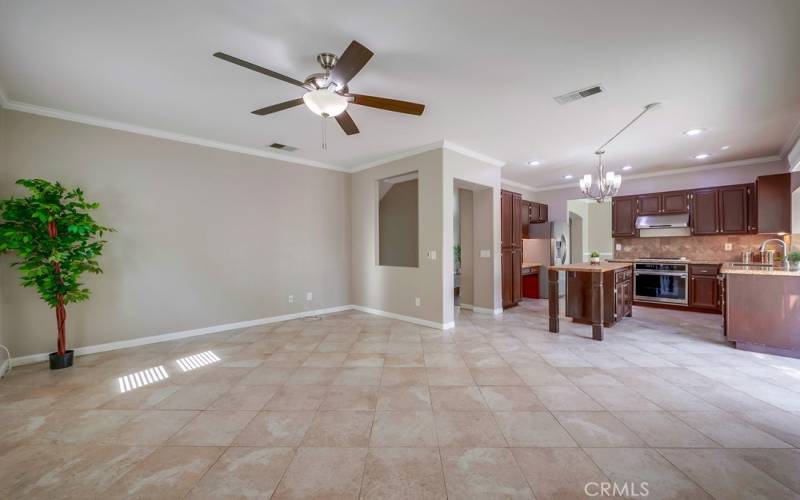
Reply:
x=607, y=183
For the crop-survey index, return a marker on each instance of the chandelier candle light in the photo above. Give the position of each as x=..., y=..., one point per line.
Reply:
x=608, y=183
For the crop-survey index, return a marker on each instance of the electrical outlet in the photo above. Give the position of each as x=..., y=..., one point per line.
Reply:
x=309, y=296
x=417, y=301
x=728, y=247
x=291, y=299
x=618, y=247
x=485, y=254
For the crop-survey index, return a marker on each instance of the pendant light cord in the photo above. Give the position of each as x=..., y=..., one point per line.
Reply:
x=645, y=110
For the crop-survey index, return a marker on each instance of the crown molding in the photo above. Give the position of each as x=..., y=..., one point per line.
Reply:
x=162, y=134
x=792, y=142
x=199, y=141
x=676, y=171
x=457, y=148
x=443, y=144
x=516, y=184
x=396, y=156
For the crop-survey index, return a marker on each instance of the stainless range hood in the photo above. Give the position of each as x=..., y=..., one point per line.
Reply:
x=663, y=225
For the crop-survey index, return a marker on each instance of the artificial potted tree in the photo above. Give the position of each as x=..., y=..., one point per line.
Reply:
x=56, y=240
x=794, y=261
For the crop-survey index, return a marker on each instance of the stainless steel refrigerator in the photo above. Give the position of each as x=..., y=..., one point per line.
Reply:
x=557, y=252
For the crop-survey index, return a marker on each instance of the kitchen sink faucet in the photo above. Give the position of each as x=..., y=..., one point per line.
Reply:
x=783, y=245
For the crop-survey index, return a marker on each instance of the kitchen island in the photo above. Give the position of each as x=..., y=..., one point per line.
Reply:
x=762, y=308
x=597, y=294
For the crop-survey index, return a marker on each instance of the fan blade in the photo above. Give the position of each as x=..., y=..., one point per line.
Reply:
x=353, y=59
x=255, y=67
x=278, y=107
x=410, y=108
x=346, y=122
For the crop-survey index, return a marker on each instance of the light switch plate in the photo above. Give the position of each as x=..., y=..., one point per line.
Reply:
x=432, y=254
x=618, y=247
x=309, y=296
x=485, y=254
x=728, y=247
x=417, y=301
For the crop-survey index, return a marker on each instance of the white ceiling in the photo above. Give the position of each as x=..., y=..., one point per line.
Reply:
x=487, y=72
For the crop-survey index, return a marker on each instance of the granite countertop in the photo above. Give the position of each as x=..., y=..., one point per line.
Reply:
x=531, y=264
x=592, y=268
x=679, y=261
x=730, y=268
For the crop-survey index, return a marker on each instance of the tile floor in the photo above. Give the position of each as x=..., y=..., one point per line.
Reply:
x=355, y=405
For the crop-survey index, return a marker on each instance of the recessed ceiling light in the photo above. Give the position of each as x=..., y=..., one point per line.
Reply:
x=627, y=167
x=725, y=148
x=702, y=156
x=694, y=131
x=534, y=163
x=568, y=176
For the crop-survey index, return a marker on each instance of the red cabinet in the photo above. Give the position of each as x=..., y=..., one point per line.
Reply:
x=530, y=286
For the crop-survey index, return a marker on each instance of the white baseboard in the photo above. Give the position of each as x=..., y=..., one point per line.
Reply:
x=122, y=344
x=482, y=310
x=111, y=346
x=410, y=319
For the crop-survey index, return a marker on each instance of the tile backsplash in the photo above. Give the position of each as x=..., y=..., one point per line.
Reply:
x=691, y=247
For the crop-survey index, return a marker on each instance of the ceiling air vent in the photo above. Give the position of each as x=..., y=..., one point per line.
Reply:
x=283, y=147
x=578, y=94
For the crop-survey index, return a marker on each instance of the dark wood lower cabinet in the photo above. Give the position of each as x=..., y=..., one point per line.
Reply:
x=704, y=287
x=617, y=296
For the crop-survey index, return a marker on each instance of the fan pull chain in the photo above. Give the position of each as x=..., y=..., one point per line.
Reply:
x=324, y=138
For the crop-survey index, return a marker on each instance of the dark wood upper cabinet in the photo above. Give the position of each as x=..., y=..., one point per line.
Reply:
x=705, y=211
x=538, y=212
x=506, y=206
x=516, y=220
x=649, y=204
x=752, y=209
x=774, y=203
x=675, y=202
x=534, y=212
x=623, y=216
x=511, y=246
x=525, y=217
x=733, y=209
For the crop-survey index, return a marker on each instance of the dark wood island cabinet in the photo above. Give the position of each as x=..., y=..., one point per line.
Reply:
x=597, y=294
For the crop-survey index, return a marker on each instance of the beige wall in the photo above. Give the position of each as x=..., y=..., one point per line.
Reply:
x=599, y=230
x=398, y=225
x=467, y=246
x=485, y=182
x=205, y=237
x=393, y=289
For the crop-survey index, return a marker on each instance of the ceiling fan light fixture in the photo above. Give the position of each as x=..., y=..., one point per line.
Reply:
x=325, y=103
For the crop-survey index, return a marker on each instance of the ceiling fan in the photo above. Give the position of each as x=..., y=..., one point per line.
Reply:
x=327, y=94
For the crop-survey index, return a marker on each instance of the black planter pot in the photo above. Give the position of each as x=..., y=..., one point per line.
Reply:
x=58, y=361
